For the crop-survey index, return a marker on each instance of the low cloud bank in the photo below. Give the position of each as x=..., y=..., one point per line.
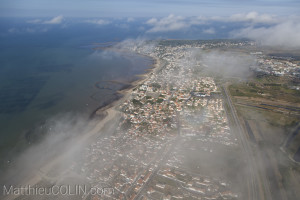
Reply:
x=285, y=34
x=252, y=17
x=228, y=64
x=176, y=23
x=269, y=30
x=266, y=29
x=61, y=137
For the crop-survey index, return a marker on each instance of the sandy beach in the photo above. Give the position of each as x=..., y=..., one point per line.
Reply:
x=107, y=114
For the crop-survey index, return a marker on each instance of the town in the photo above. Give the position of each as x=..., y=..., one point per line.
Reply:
x=170, y=113
x=176, y=135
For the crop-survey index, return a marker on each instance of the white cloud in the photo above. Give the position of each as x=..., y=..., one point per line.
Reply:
x=267, y=29
x=170, y=23
x=197, y=20
x=285, y=34
x=98, y=21
x=152, y=21
x=130, y=19
x=253, y=17
x=55, y=20
x=209, y=31
x=175, y=23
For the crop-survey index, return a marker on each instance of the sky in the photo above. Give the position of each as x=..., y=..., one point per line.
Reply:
x=144, y=8
x=270, y=22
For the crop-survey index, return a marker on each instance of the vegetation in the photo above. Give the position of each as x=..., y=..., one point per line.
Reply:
x=271, y=87
x=156, y=85
x=151, y=102
x=136, y=102
x=159, y=100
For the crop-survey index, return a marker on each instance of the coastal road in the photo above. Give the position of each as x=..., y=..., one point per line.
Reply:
x=254, y=177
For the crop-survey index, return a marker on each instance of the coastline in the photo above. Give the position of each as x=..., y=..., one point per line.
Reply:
x=126, y=91
x=60, y=95
x=103, y=115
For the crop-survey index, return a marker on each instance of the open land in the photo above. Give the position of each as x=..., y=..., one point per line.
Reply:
x=268, y=107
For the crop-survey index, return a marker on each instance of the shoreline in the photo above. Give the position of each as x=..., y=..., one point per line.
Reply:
x=100, y=111
x=104, y=114
x=27, y=134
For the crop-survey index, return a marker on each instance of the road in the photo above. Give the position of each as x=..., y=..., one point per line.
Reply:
x=163, y=157
x=254, y=178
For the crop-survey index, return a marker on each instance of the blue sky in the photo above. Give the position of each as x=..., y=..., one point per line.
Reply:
x=144, y=8
x=270, y=22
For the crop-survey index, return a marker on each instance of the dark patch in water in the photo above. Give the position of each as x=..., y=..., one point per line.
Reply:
x=112, y=85
x=106, y=102
x=55, y=68
x=18, y=95
x=52, y=101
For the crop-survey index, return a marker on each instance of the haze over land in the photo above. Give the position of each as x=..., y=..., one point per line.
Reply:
x=215, y=116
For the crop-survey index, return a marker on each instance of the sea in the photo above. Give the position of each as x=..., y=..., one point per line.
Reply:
x=48, y=70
